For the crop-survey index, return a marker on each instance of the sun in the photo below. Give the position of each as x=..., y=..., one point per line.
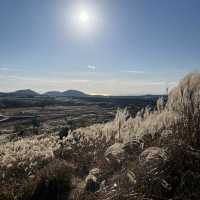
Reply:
x=84, y=20
x=84, y=17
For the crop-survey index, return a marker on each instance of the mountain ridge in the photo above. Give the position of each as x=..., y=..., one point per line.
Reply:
x=24, y=93
x=69, y=93
x=53, y=93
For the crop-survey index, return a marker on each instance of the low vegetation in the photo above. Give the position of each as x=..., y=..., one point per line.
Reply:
x=152, y=155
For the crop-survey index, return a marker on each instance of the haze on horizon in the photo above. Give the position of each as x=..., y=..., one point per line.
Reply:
x=98, y=47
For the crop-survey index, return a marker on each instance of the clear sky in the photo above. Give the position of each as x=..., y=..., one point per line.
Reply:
x=118, y=47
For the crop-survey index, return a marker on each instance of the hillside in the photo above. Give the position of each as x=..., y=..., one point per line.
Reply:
x=154, y=155
x=74, y=93
x=67, y=93
x=53, y=94
x=23, y=93
x=28, y=93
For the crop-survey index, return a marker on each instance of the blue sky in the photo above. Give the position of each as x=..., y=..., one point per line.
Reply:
x=125, y=47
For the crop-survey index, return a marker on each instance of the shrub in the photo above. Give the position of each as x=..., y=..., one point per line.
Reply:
x=185, y=101
x=22, y=158
x=53, y=182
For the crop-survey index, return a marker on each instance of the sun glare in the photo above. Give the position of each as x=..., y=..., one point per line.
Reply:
x=84, y=17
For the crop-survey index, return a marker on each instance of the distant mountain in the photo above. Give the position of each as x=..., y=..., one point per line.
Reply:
x=74, y=93
x=31, y=93
x=67, y=93
x=53, y=94
x=24, y=93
